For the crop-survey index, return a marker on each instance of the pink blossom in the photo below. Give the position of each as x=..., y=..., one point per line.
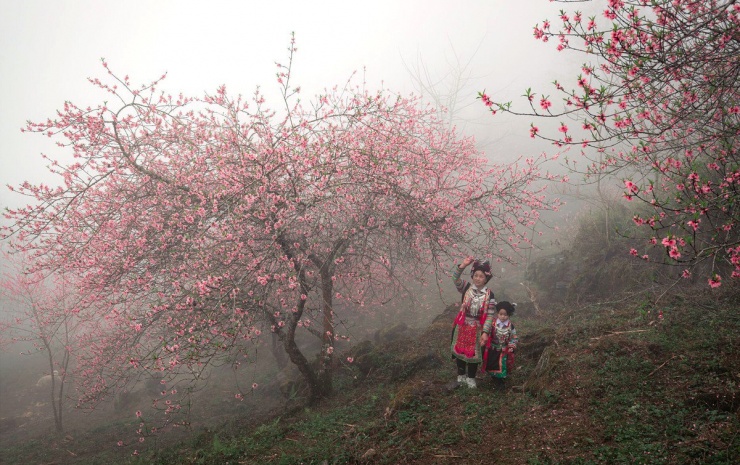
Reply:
x=715, y=281
x=631, y=186
x=674, y=253
x=486, y=100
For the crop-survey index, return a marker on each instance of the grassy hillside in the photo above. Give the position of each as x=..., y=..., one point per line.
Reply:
x=604, y=383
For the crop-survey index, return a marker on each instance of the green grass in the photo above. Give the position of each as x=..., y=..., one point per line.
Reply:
x=639, y=406
x=620, y=389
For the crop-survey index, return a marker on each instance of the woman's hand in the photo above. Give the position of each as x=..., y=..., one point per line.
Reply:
x=467, y=261
x=483, y=339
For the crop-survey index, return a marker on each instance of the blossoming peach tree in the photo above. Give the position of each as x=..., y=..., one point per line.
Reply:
x=658, y=104
x=196, y=226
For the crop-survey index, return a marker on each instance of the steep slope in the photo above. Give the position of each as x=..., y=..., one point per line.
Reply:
x=603, y=383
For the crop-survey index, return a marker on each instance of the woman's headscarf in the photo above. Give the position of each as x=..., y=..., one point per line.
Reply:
x=483, y=266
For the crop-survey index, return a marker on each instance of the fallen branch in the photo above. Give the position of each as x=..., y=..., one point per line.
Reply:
x=533, y=299
x=661, y=366
x=620, y=332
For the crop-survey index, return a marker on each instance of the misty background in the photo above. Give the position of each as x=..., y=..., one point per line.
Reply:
x=445, y=51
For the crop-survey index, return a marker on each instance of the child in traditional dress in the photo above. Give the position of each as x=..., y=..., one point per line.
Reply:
x=499, y=356
x=474, y=320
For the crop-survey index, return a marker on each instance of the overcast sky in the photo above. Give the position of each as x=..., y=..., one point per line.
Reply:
x=48, y=49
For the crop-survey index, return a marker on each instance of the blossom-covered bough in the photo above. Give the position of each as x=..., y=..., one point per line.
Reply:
x=197, y=226
x=658, y=103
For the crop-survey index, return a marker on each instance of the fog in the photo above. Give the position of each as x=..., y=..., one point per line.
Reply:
x=435, y=48
x=49, y=49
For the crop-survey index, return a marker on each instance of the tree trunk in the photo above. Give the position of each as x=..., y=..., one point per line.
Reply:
x=56, y=402
x=296, y=356
x=57, y=405
x=325, y=373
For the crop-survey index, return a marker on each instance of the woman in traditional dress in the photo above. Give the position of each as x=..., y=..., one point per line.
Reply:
x=474, y=320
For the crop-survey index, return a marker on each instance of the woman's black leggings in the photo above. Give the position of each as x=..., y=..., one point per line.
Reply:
x=462, y=367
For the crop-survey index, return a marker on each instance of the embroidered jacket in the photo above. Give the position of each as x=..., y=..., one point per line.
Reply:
x=504, y=335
